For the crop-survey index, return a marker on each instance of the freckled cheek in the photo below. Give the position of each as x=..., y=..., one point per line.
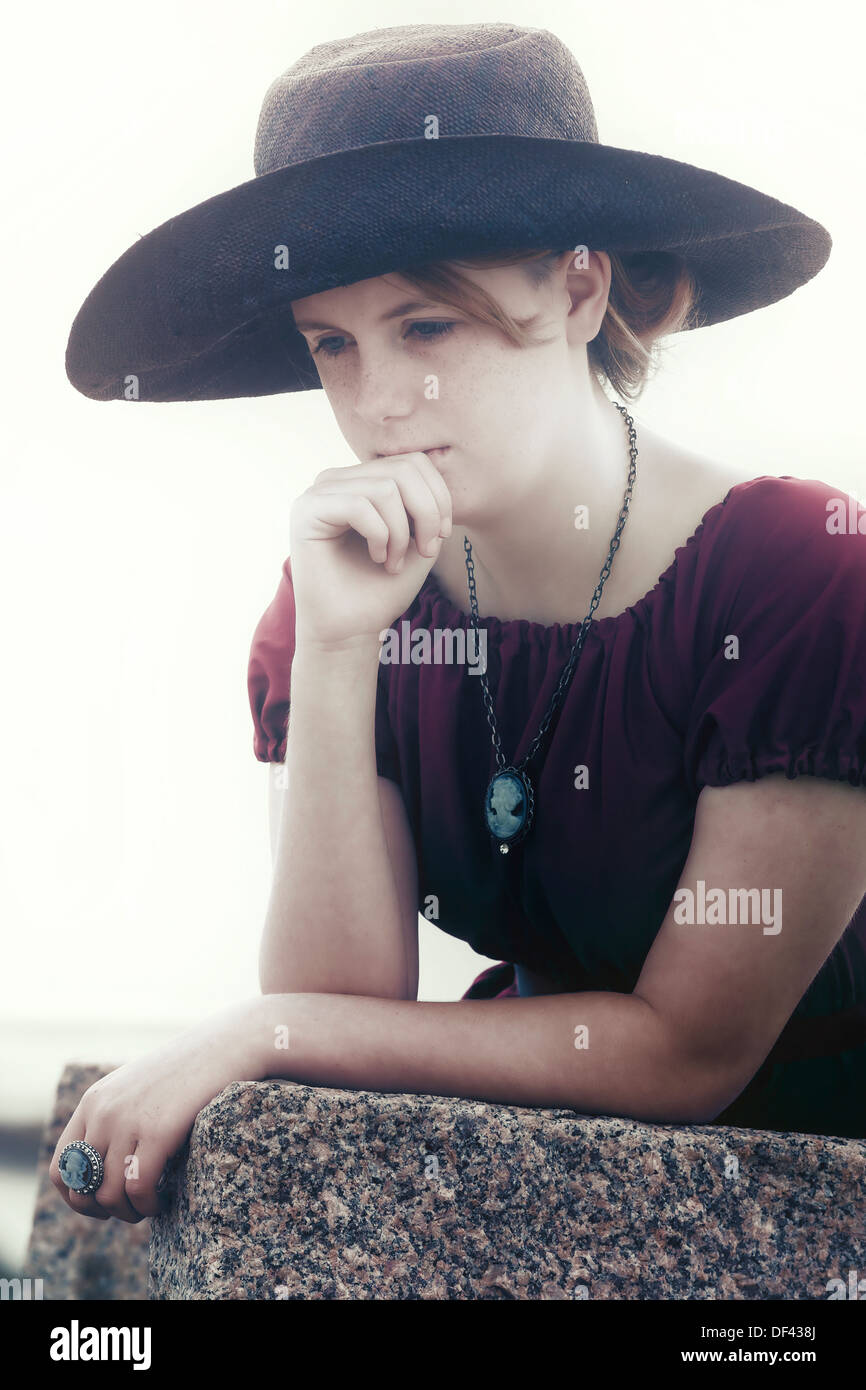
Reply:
x=505, y=400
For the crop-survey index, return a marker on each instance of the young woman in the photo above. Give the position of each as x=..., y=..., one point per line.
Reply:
x=652, y=813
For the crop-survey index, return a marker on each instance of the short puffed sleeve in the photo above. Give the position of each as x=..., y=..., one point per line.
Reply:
x=268, y=684
x=777, y=611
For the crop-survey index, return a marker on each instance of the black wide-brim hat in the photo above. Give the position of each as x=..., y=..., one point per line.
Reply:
x=397, y=147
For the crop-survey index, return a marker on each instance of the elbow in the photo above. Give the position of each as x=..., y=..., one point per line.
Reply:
x=686, y=1085
x=702, y=1112
x=696, y=1108
x=708, y=1096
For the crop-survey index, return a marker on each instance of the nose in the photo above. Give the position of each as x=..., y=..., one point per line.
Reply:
x=388, y=387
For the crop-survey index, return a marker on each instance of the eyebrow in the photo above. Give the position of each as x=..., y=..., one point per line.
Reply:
x=408, y=308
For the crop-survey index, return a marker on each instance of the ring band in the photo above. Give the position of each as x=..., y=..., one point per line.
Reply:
x=81, y=1167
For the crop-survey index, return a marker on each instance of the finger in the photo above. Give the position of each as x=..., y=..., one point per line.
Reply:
x=143, y=1177
x=434, y=480
x=427, y=467
x=386, y=496
x=439, y=488
x=86, y=1206
x=383, y=495
x=427, y=470
x=402, y=495
x=111, y=1196
x=414, y=475
x=348, y=511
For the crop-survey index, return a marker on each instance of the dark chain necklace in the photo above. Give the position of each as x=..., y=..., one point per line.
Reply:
x=509, y=802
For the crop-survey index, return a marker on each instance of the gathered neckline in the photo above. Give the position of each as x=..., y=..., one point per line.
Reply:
x=524, y=626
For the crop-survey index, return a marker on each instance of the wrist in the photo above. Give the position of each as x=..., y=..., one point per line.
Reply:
x=359, y=645
x=246, y=1037
x=268, y=1024
x=338, y=667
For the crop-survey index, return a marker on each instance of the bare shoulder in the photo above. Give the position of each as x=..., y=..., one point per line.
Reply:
x=683, y=485
x=674, y=489
x=684, y=473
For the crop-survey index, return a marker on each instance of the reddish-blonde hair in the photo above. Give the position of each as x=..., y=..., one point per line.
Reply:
x=652, y=294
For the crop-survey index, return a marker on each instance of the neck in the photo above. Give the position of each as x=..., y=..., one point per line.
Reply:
x=530, y=557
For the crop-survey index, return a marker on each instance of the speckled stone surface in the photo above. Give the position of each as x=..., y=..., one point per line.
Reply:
x=75, y=1256
x=287, y=1191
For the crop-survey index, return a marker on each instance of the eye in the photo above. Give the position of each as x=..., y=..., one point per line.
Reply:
x=440, y=328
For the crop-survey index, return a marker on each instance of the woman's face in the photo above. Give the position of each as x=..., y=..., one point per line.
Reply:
x=402, y=375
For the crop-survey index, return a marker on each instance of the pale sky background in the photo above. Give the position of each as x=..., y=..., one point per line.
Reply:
x=139, y=548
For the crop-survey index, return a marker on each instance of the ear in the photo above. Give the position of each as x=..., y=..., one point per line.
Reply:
x=587, y=282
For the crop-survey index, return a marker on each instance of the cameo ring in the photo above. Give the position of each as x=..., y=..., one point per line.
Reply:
x=81, y=1167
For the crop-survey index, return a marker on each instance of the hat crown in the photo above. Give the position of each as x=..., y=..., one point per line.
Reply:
x=386, y=84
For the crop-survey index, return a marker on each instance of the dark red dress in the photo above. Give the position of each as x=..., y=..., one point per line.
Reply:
x=656, y=711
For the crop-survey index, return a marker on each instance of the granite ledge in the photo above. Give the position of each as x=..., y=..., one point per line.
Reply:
x=291, y=1191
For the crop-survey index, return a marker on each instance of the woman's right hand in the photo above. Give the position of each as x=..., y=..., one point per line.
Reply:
x=363, y=540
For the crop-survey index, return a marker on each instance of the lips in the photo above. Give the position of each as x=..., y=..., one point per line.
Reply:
x=434, y=449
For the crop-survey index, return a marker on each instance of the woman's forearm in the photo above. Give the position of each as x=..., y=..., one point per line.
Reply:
x=333, y=921
x=601, y=1053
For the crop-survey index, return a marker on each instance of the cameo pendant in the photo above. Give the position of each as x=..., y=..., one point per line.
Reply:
x=508, y=807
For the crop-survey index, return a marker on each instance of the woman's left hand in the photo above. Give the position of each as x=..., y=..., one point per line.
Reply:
x=138, y=1116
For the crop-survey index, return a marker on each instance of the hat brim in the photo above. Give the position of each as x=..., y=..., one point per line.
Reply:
x=197, y=310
